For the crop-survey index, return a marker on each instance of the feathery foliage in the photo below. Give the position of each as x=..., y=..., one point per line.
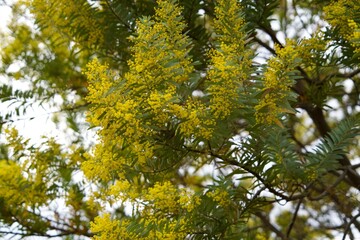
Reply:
x=217, y=119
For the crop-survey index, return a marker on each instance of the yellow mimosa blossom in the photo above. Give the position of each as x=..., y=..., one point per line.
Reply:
x=230, y=61
x=277, y=83
x=69, y=17
x=342, y=15
x=354, y=37
x=220, y=196
x=107, y=228
x=133, y=109
x=188, y=200
x=163, y=197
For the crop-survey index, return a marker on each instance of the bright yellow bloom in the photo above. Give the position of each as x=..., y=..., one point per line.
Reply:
x=220, y=196
x=277, y=83
x=230, y=61
x=163, y=197
x=106, y=228
x=67, y=17
x=342, y=14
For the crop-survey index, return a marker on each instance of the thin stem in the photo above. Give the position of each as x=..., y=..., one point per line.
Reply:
x=294, y=218
x=267, y=224
x=347, y=229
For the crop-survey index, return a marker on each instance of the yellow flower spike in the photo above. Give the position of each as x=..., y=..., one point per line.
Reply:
x=230, y=62
x=277, y=84
x=220, y=196
x=341, y=14
x=70, y=15
x=163, y=197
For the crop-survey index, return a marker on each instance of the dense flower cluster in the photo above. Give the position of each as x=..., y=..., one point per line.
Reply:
x=69, y=17
x=277, y=82
x=230, y=62
x=161, y=205
x=344, y=16
x=312, y=51
x=153, y=96
x=133, y=109
x=354, y=37
x=221, y=196
x=28, y=180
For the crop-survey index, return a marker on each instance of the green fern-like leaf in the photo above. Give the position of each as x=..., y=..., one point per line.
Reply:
x=333, y=147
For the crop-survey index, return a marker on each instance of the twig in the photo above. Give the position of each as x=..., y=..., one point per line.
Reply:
x=66, y=109
x=263, y=44
x=327, y=190
x=294, y=218
x=347, y=229
x=348, y=75
x=117, y=16
x=267, y=223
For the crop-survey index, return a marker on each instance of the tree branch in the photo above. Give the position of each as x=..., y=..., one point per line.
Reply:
x=352, y=220
x=117, y=16
x=255, y=174
x=293, y=218
x=348, y=75
x=317, y=116
x=267, y=224
x=263, y=44
x=328, y=189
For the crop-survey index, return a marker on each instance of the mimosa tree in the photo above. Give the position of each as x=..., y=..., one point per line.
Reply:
x=215, y=119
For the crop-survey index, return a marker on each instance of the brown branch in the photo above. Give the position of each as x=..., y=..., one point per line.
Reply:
x=317, y=116
x=267, y=224
x=255, y=174
x=348, y=75
x=271, y=34
x=266, y=46
x=294, y=218
x=327, y=190
x=352, y=220
x=355, y=166
x=337, y=202
x=117, y=16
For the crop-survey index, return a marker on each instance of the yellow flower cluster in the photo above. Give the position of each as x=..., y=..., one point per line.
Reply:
x=27, y=178
x=230, y=61
x=11, y=180
x=195, y=121
x=338, y=13
x=161, y=205
x=162, y=196
x=132, y=109
x=172, y=229
x=229, y=23
x=106, y=228
x=165, y=204
x=355, y=36
x=311, y=50
x=122, y=190
x=160, y=66
x=220, y=196
x=67, y=17
x=15, y=140
x=103, y=166
x=99, y=84
x=160, y=53
x=188, y=200
x=342, y=14
x=277, y=83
